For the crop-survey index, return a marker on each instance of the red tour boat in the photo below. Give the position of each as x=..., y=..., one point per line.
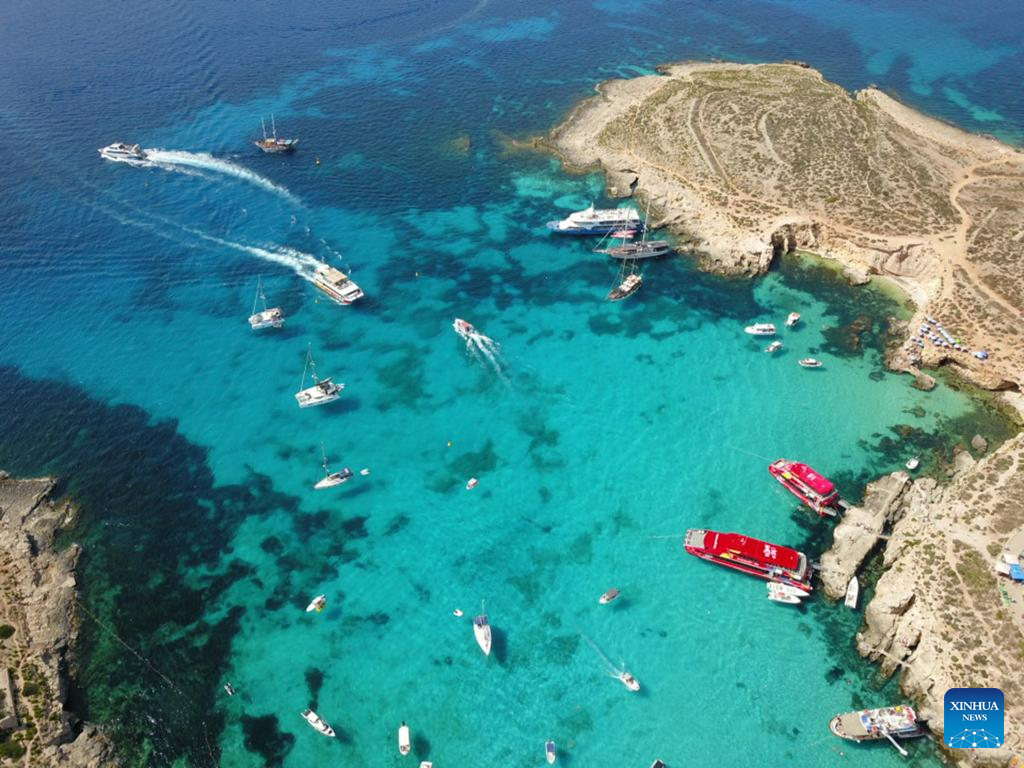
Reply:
x=758, y=558
x=814, y=490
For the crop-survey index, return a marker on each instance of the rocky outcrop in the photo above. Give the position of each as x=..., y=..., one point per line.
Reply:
x=39, y=602
x=858, y=532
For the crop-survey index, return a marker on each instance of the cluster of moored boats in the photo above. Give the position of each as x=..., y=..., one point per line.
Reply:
x=769, y=329
x=789, y=574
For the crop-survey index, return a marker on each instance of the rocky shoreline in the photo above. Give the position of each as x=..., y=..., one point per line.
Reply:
x=749, y=161
x=38, y=603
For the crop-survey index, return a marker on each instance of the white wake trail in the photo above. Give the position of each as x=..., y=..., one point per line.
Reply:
x=177, y=160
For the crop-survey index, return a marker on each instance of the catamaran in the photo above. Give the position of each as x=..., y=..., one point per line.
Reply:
x=272, y=144
x=331, y=479
x=266, y=318
x=336, y=284
x=404, y=743
x=322, y=391
x=810, y=362
x=317, y=722
x=121, y=151
x=482, y=632
x=593, y=221
x=772, y=562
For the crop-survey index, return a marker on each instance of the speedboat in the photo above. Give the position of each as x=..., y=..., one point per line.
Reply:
x=550, y=753
x=775, y=346
x=810, y=362
x=317, y=722
x=266, y=318
x=336, y=284
x=852, y=593
x=760, y=329
x=793, y=319
x=626, y=288
x=914, y=463
x=807, y=484
x=404, y=743
x=317, y=604
x=629, y=681
x=482, y=632
x=121, y=151
x=608, y=596
x=229, y=689
x=779, y=594
x=463, y=328
x=323, y=390
x=593, y=221
x=271, y=144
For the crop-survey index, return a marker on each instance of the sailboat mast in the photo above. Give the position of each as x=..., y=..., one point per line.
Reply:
x=263, y=127
x=323, y=451
x=273, y=128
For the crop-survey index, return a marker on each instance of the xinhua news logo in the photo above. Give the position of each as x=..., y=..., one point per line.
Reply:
x=973, y=718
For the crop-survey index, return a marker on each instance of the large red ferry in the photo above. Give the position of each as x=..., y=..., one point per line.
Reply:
x=758, y=558
x=814, y=490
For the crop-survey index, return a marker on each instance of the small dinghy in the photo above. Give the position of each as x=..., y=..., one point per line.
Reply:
x=364, y=472
x=608, y=596
x=914, y=463
x=458, y=612
x=331, y=479
x=778, y=593
x=810, y=362
x=317, y=604
x=775, y=346
x=549, y=751
x=760, y=329
x=404, y=743
x=852, y=593
x=464, y=329
x=316, y=722
x=482, y=633
x=629, y=681
x=793, y=319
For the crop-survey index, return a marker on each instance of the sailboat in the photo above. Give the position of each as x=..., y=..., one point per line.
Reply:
x=482, y=632
x=322, y=391
x=267, y=318
x=272, y=144
x=331, y=479
x=645, y=249
x=628, y=283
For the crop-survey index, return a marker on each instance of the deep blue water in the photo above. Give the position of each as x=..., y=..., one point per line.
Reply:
x=604, y=432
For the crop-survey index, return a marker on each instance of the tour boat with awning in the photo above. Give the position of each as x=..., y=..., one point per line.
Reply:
x=814, y=490
x=871, y=724
x=772, y=562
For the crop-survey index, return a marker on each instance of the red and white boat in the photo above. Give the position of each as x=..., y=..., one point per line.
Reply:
x=758, y=558
x=814, y=490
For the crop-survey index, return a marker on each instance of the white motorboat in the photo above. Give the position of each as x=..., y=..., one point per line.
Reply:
x=810, y=362
x=317, y=722
x=760, y=329
x=336, y=284
x=608, y=596
x=550, y=752
x=331, y=479
x=777, y=595
x=265, y=318
x=121, y=152
x=472, y=483
x=793, y=319
x=404, y=743
x=323, y=390
x=629, y=681
x=464, y=329
x=852, y=593
x=775, y=346
x=317, y=604
x=787, y=589
x=482, y=632
x=914, y=463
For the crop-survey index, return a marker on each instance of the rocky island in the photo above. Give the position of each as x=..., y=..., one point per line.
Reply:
x=38, y=627
x=747, y=161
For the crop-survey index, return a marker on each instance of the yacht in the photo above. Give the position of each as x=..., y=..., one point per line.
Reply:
x=265, y=318
x=322, y=391
x=336, y=284
x=810, y=362
x=271, y=144
x=332, y=479
x=317, y=722
x=629, y=681
x=593, y=221
x=122, y=151
x=630, y=285
x=482, y=632
x=760, y=329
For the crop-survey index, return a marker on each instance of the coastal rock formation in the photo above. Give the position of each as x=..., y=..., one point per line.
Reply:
x=940, y=614
x=37, y=600
x=753, y=160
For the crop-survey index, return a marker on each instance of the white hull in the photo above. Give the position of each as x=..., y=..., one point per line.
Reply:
x=333, y=480
x=404, y=743
x=793, y=319
x=482, y=633
x=608, y=596
x=810, y=362
x=271, y=318
x=852, y=593
x=913, y=464
x=760, y=329
x=629, y=681
x=317, y=723
x=317, y=604
x=464, y=329
x=318, y=395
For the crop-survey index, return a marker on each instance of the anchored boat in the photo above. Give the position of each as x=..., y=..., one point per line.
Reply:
x=331, y=479
x=760, y=329
x=323, y=390
x=814, y=490
x=898, y=722
x=593, y=221
x=121, y=151
x=267, y=318
x=271, y=144
x=336, y=284
x=645, y=249
x=784, y=593
x=404, y=743
x=317, y=604
x=775, y=346
x=852, y=593
x=772, y=562
x=630, y=284
x=793, y=319
x=810, y=362
x=482, y=633
x=317, y=723
x=608, y=596
x=550, y=753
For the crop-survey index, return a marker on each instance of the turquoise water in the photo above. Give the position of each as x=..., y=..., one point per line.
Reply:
x=599, y=434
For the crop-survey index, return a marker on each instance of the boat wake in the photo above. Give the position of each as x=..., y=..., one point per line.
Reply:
x=613, y=671
x=193, y=162
x=483, y=349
